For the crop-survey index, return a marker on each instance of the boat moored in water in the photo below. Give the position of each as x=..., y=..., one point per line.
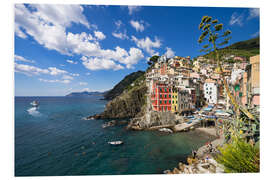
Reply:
x=34, y=104
x=115, y=143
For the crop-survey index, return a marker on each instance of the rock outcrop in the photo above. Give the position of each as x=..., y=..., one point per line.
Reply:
x=154, y=120
x=127, y=105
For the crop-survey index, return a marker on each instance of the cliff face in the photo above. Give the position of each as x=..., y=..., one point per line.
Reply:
x=127, y=105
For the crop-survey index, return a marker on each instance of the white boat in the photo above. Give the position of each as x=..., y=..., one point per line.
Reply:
x=34, y=104
x=115, y=143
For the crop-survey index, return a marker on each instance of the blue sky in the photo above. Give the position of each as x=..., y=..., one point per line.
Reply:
x=65, y=48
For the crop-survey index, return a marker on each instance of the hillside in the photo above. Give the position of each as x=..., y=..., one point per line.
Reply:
x=122, y=85
x=129, y=103
x=245, y=48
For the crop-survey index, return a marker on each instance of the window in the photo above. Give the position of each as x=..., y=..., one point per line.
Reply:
x=169, y=96
x=165, y=96
x=160, y=102
x=169, y=102
x=176, y=102
x=160, y=96
x=160, y=89
x=173, y=96
x=165, y=89
x=165, y=102
x=173, y=102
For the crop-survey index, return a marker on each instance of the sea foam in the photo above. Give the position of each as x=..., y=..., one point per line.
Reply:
x=33, y=111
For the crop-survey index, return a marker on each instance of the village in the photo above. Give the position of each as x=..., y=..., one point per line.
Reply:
x=194, y=89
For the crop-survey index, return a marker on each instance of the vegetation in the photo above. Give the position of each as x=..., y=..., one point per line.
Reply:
x=240, y=156
x=245, y=49
x=122, y=85
x=137, y=82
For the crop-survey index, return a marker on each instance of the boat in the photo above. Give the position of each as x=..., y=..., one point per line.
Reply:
x=115, y=143
x=34, y=104
x=167, y=130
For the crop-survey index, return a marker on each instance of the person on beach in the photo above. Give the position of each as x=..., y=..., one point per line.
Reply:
x=210, y=147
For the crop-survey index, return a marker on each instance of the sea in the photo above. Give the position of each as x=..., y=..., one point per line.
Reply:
x=54, y=139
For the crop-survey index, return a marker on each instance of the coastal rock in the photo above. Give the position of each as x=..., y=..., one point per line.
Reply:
x=127, y=105
x=153, y=119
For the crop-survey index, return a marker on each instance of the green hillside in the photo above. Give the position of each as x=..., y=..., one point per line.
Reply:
x=123, y=84
x=245, y=48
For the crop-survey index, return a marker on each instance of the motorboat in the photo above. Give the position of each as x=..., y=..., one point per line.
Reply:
x=34, y=104
x=115, y=143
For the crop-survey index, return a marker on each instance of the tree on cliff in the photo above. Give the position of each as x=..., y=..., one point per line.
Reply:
x=153, y=60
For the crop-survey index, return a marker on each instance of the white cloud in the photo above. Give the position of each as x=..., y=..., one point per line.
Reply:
x=51, y=33
x=65, y=81
x=75, y=75
x=20, y=58
x=236, y=19
x=147, y=44
x=33, y=70
x=88, y=73
x=118, y=24
x=67, y=77
x=137, y=25
x=30, y=70
x=62, y=15
x=83, y=83
x=54, y=71
x=134, y=56
x=120, y=35
x=99, y=35
x=169, y=53
x=255, y=34
x=72, y=62
x=253, y=13
x=132, y=9
x=99, y=63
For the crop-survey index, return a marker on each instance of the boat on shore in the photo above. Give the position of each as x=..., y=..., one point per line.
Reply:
x=115, y=143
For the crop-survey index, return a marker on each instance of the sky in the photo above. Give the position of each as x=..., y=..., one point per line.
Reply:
x=69, y=48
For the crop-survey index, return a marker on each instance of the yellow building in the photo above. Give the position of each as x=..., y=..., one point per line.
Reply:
x=174, y=100
x=255, y=71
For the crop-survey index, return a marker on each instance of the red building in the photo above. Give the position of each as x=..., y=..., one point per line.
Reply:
x=163, y=69
x=161, y=97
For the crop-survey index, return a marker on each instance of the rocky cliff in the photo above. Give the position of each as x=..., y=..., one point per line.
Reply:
x=127, y=105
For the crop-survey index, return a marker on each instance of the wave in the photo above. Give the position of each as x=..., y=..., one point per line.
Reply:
x=33, y=111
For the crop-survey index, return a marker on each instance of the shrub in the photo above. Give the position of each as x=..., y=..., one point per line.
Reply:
x=239, y=156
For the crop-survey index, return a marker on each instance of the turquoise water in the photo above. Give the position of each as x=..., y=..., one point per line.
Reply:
x=54, y=140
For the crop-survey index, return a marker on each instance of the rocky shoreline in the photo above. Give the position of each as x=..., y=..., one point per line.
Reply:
x=204, y=161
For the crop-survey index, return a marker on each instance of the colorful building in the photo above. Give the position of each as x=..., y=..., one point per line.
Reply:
x=174, y=100
x=255, y=80
x=184, y=102
x=211, y=91
x=161, y=97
